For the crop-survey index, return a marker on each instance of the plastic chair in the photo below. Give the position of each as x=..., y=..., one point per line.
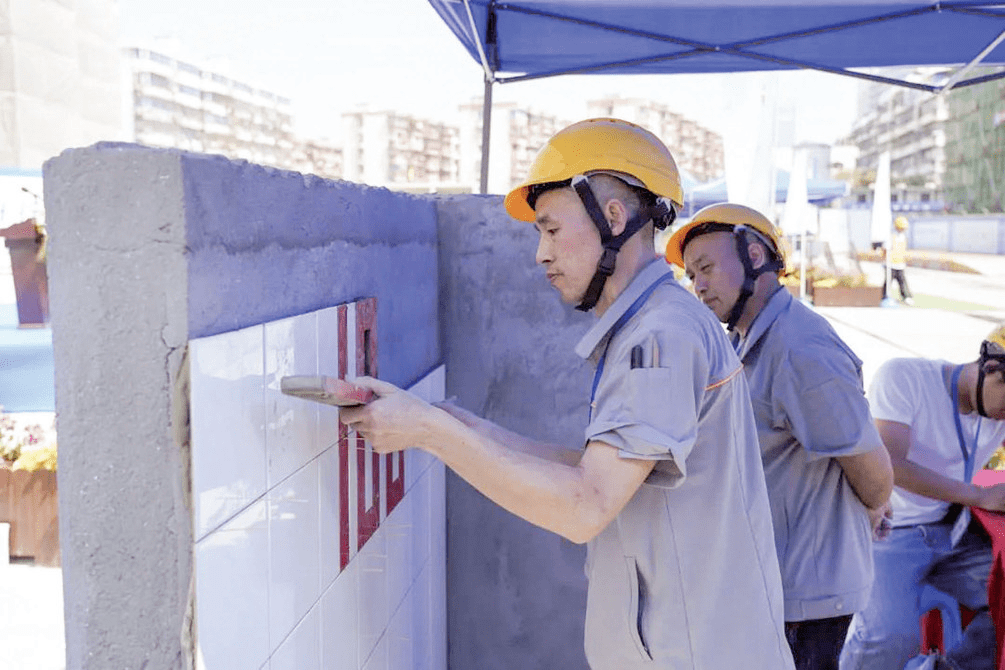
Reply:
x=943, y=632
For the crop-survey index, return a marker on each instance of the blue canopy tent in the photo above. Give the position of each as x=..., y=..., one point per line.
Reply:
x=533, y=39
x=819, y=191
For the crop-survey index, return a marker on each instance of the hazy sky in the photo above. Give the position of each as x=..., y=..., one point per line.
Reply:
x=329, y=56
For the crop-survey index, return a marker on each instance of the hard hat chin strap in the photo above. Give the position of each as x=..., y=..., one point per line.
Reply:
x=612, y=243
x=986, y=357
x=750, y=274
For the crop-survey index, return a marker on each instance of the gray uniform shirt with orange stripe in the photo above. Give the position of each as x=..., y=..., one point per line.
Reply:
x=810, y=407
x=686, y=576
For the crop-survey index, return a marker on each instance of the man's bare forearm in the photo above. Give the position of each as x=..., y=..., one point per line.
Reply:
x=512, y=471
x=493, y=431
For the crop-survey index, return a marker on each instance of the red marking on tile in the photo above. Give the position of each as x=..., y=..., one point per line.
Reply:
x=343, y=445
x=368, y=511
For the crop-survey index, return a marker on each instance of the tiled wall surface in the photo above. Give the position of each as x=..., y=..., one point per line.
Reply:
x=311, y=551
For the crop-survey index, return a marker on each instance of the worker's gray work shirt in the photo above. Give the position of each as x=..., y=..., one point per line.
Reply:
x=810, y=407
x=686, y=576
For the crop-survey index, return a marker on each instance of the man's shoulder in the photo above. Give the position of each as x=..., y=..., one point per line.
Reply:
x=900, y=368
x=801, y=335
x=675, y=310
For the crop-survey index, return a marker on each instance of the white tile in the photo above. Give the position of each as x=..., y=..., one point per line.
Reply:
x=420, y=508
x=377, y=660
x=421, y=623
x=437, y=513
x=328, y=365
x=302, y=649
x=400, y=635
x=294, y=578
x=401, y=568
x=438, y=568
x=291, y=424
x=228, y=425
x=339, y=625
x=431, y=388
x=373, y=598
x=329, y=519
x=232, y=596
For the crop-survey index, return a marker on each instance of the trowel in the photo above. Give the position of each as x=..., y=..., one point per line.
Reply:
x=327, y=390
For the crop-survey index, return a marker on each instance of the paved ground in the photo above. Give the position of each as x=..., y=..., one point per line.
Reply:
x=962, y=310
x=31, y=618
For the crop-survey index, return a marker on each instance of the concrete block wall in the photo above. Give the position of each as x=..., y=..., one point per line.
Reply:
x=151, y=249
x=516, y=594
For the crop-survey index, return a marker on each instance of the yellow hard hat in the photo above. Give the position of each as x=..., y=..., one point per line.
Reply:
x=900, y=223
x=726, y=214
x=600, y=145
x=996, y=338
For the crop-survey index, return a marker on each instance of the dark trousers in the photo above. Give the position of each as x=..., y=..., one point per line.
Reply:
x=816, y=644
x=901, y=279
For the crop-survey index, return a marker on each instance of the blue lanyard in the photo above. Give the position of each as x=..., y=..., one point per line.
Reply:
x=970, y=457
x=629, y=313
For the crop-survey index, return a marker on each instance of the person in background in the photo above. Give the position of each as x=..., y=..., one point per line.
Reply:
x=939, y=422
x=668, y=493
x=898, y=260
x=826, y=467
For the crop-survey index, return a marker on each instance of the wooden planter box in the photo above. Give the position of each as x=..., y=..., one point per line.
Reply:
x=28, y=502
x=847, y=296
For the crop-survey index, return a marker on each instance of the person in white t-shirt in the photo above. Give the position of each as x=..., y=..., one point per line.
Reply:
x=940, y=422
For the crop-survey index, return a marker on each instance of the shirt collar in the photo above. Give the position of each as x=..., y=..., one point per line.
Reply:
x=643, y=280
x=779, y=302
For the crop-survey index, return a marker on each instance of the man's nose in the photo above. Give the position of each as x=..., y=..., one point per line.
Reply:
x=543, y=254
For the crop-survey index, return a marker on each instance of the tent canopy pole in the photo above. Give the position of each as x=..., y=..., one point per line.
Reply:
x=486, y=132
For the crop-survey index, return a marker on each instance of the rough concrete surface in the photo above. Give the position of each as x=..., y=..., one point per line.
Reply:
x=117, y=281
x=515, y=593
x=148, y=249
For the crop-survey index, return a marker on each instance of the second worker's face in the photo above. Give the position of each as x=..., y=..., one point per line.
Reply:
x=569, y=245
x=715, y=271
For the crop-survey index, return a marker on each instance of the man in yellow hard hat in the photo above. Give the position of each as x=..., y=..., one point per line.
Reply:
x=898, y=260
x=825, y=464
x=940, y=422
x=669, y=491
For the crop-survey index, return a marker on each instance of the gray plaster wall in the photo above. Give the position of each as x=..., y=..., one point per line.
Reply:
x=516, y=595
x=148, y=249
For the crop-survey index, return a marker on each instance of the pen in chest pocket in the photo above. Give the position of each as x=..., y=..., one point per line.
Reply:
x=636, y=356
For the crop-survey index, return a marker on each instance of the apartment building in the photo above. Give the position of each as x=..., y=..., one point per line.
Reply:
x=179, y=104
x=697, y=150
x=975, y=148
x=386, y=148
x=911, y=125
x=518, y=134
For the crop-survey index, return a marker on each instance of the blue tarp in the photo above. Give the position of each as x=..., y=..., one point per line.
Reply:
x=539, y=38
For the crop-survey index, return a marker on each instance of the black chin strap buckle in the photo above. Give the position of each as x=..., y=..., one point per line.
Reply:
x=606, y=264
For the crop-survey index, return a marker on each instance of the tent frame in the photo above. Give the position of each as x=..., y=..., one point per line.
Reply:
x=488, y=54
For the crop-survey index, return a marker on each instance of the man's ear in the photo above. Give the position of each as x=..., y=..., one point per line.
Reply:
x=758, y=254
x=617, y=216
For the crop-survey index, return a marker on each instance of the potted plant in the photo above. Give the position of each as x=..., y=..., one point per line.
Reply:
x=28, y=494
